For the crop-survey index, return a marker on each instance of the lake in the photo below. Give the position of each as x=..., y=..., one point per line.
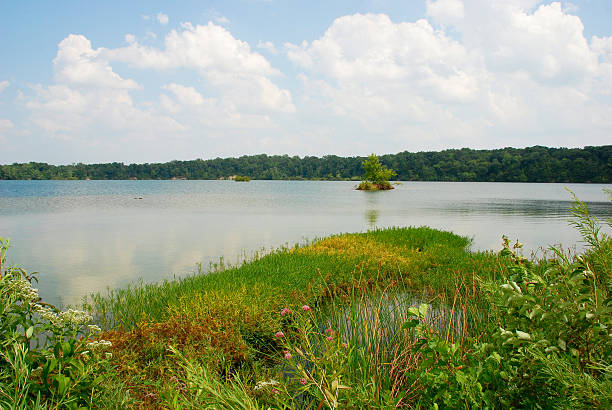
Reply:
x=85, y=236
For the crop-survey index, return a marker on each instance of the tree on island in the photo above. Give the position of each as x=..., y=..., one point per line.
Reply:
x=376, y=176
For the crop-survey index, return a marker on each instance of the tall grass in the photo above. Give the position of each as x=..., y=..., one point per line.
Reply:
x=230, y=314
x=388, y=318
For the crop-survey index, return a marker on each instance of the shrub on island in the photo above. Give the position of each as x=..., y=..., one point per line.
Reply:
x=376, y=177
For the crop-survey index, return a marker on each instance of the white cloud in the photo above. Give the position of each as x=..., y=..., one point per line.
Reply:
x=226, y=63
x=268, y=46
x=478, y=73
x=90, y=102
x=186, y=95
x=130, y=38
x=570, y=8
x=203, y=47
x=547, y=43
x=78, y=64
x=220, y=19
x=376, y=56
x=162, y=18
x=72, y=113
x=602, y=46
x=4, y=85
x=90, y=99
x=513, y=73
x=445, y=11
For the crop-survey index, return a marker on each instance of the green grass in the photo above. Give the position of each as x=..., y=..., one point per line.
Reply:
x=232, y=313
x=391, y=317
x=419, y=257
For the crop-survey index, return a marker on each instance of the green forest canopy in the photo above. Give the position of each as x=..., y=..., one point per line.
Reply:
x=533, y=164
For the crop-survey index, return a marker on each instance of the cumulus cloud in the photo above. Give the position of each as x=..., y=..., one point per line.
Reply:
x=515, y=68
x=378, y=64
x=226, y=63
x=89, y=98
x=547, y=43
x=162, y=18
x=4, y=85
x=186, y=95
x=77, y=63
x=202, y=47
x=445, y=11
x=91, y=101
x=478, y=73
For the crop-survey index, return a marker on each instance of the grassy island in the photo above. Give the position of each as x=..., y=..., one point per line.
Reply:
x=242, y=178
x=392, y=317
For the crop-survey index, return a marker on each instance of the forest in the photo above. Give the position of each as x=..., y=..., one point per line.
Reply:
x=591, y=164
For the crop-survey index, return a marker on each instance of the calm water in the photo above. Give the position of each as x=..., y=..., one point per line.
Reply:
x=84, y=236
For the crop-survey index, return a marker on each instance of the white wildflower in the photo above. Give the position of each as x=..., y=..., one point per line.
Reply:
x=75, y=318
x=261, y=384
x=99, y=344
x=94, y=328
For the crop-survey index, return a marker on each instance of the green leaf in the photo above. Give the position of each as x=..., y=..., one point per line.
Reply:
x=523, y=335
x=423, y=309
x=410, y=324
x=29, y=332
x=413, y=311
x=562, y=345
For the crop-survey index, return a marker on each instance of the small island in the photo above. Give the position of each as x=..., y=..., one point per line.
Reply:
x=242, y=178
x=377, y=176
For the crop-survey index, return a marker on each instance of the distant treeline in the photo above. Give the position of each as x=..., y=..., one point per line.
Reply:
x=534, y=164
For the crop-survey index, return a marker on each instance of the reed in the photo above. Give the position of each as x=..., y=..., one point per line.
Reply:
x=365, y=282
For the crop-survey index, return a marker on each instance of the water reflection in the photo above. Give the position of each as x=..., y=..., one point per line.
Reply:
x=86, y=235
x=372, y=212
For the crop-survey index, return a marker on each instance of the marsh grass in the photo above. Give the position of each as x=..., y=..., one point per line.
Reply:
x=229, y=315
x=388, y=318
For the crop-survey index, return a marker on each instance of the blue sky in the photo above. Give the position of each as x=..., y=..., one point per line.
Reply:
x=156, y=81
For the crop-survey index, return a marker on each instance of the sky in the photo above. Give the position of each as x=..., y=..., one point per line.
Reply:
x=155, y=81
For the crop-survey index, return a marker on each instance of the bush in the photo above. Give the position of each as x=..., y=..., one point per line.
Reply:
x=376, y=176
x=47, y=356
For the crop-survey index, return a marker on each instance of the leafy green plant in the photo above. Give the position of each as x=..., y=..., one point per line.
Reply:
x=47, y=356
x=376, y=176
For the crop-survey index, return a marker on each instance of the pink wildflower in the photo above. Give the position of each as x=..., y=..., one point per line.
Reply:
x=344, y=345
x=329, y=331
x=285, y=311
x=329, y=338
x=306, y=308
x=274, y=391
x=287, y=354
x=279, y=335
x=303, y=381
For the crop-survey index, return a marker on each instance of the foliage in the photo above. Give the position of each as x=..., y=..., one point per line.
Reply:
x=46, y=355
x=242, y=178
x=376, y=173
x=533, y=164
x=225, y=321
x=376, y=176
x=552, y=346
x=387, y=318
